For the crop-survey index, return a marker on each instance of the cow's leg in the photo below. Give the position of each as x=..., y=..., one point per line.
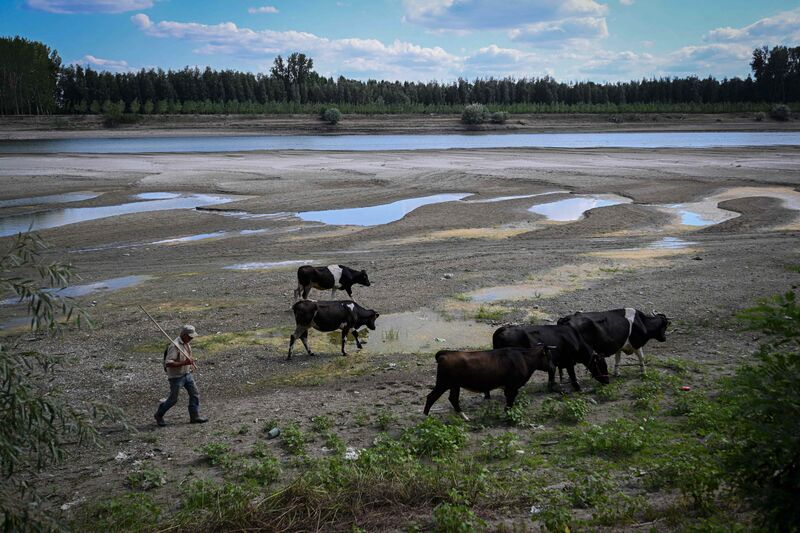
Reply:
x=333, y=293
x=573, y=379
x=487, y=395
x=454, y=393
x=560, y=375
x=298, y=334
x=306, y=290
x=434, y=395
x=358, y=341
x=551, y=379
x=616, y=362
x=304, y=339
x=511, y=395
x=640, y=355
x=349, y=292
x=344, y=339
x=297, y=292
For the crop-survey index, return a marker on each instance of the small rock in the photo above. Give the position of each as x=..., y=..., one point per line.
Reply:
x=351, y=454
x=121, y=456
x=448, y=275
x=67, y=506
x=697, y=258
x=439, y=339
x=535, y=509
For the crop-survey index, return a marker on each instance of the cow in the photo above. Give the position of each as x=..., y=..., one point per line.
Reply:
x=566, y=346
x=482, y=371
x=345, y=315
x=619, y=330
x=331, y=277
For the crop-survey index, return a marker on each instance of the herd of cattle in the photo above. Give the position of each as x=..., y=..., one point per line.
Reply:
x=585, y=338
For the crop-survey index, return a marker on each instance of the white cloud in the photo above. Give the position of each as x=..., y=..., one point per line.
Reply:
x=355, y=56
x=783, y=28
x=103, y=64
x=262, y=9
x=719, y=60
x=491, y=14
x=626, y=2
x=88, y=6
x=561, y=31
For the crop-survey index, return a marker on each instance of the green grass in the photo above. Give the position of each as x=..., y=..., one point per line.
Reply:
x=489, y=313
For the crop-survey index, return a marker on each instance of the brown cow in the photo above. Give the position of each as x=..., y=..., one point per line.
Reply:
x=509, y=368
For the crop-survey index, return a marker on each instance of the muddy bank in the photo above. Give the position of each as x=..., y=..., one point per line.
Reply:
x=76, y=126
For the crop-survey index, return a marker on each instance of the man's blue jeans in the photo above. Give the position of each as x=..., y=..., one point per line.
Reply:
x=175, y=385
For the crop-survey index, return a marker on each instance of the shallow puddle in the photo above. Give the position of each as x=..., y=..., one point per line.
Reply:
x=706, y=212
x=512, y=292
x=192, y=238
x=157, y=195
x=108, y=285
x=571, y=209
x=670, y=243
x=62, y=217
x=50, y=199
x=422, y=331
x=267, y=266
x=377, y=214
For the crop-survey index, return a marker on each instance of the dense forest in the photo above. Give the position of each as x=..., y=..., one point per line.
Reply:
x=33, y=81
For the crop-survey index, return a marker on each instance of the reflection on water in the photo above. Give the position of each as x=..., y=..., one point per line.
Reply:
x=191, y=238
x=512, y=292
x=376, y=214
x=403, y=142
x=517, y=197
x=76, y=291
x=72, y=215
x=571, y=209
x=267, y=266
x=50, y=199
x=157, y=195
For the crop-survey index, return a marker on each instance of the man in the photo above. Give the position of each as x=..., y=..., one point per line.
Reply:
x=179, y=365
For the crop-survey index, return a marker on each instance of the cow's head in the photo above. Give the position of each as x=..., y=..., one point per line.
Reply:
x=362, y=279
x=660, y=322
x=371, y=320
x=598, y=368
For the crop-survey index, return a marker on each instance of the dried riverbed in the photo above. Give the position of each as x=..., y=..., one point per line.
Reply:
x=444, y=275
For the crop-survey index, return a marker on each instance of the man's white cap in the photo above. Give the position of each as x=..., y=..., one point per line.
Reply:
x=190, y=331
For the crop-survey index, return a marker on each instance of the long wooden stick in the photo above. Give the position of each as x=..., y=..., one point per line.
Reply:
x=171, y=340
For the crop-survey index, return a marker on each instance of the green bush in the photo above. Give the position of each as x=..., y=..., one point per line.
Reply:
x=130, y=512
x=455, y=518
x=763, y=456
x=147, y=478
x=217, y=453
x=693, y=470
x=294, y=440
x=569, y=409
x=474, y=114
x=433, y=438
x=501, y=446
x=618, y=438
x=780, y=112
x=498, y=117
x=590, y=491
x=332, y=115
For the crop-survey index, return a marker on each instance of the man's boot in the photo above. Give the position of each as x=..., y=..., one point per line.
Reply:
x=197, y=419
x=160, y=420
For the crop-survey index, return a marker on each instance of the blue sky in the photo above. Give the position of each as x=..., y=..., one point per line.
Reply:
x=414, y=39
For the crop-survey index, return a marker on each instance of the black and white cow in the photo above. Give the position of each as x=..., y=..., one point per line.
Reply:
x=619, y=330
x=344, y=315
x=331, y=277
x=565, y=344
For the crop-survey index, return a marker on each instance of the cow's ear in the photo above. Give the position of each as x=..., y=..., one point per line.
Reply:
x=363, y=271
x=377, y=315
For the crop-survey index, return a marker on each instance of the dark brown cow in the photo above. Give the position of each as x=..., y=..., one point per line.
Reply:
x=509, y=368
x=344, y=315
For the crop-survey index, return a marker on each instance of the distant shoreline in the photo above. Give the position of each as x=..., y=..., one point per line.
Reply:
x=84, y=126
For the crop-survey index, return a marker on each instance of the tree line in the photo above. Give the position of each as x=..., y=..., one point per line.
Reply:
x=34, y=82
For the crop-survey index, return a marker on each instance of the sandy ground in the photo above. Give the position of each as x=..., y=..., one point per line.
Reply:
x=601, y=261
x=77, y=126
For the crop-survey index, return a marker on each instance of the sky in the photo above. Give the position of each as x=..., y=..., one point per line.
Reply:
x=414, y=40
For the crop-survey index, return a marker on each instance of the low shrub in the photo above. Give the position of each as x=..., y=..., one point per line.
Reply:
x=455, y=518
x=146, y=478
x=433, y=438
x=130, y=512
x=294, y=440
x=332, y=115
x=501, y=446
x=474, y=114
x=217, y=453
x=569, y=409
x=498, y=117
x=780, y=112
x=618, y=438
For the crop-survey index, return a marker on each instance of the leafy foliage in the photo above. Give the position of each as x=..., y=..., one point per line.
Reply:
x=764, y=452
x=36, y=421
x=332, y=115
x=474, y=114
x=433, y=438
